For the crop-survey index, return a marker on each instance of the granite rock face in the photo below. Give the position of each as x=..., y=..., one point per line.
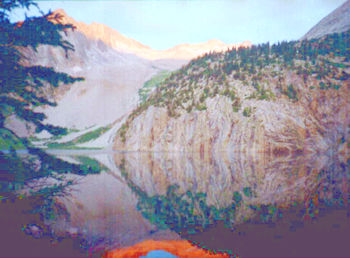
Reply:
x=311, y=125
x=337, y=21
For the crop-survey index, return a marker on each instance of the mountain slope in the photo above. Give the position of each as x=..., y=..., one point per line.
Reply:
x=122, y=43
x=109, y=36
x=114, y=68
x=111, y=81
x=112, y=77
x=337, y=21
x=284, y=99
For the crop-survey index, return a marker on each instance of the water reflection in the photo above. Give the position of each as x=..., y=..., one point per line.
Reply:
x=102, y=210
x=258, y=180
x=163, y=196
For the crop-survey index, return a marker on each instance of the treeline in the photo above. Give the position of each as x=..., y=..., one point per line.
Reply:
x=261, y=55
x=217, y=73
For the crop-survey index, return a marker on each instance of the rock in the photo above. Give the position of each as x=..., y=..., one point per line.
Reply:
x=279, y=127
x=337, y=21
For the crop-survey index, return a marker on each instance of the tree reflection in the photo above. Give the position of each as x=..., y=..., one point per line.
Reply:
x=182, y=212
x=37, y=184
x=188, y=212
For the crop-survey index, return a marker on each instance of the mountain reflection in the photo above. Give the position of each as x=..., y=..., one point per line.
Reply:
x=162, y=196
x=259, y=180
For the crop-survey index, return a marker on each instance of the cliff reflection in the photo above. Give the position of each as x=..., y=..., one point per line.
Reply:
x=188, y=193
x=162, y=196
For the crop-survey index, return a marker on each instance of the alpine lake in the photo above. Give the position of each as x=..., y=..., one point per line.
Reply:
x=245, y=205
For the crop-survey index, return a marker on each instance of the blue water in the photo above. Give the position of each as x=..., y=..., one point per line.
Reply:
x=159, y=254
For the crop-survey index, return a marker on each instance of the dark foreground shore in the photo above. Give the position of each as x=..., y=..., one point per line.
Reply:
x=14, y=242
x=291, y=236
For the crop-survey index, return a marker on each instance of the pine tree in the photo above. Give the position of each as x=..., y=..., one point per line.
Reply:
x=22, y=89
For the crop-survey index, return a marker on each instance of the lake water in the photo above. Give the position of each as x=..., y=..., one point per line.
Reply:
x=253, y=205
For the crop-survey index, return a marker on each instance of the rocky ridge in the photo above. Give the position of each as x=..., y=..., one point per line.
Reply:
x=337, y=21
x=285, y=99
x=117, y=41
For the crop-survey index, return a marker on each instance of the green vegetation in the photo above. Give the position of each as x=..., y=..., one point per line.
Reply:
x=182, y=212
x=248, y=192
x=266, y=94
x=9, y=140
x=188, y=212
x=266, y=213
x=236, y=105
x=329, y=85
x=22, y=86
x=91, y=163
x=263, y=68
x=291, y=92
x=122, y=131
x=89, y=136
x=66, y=146
x=338, y=65
x=247, y=111
x=22, y=89
x=34, y=139
x=201, y=107
x=16, y=171
x=152, y=84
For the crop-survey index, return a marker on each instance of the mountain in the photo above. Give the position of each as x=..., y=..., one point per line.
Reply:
x=122, y=43
x=287, y=99
x=112, y=79
x=109, y=36
x=115, y=67
x=337, y=21
x=190, y=51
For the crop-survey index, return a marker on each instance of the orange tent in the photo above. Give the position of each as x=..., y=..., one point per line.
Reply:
x=180, y=248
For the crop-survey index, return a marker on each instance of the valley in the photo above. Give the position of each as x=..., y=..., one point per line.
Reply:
x=114, y=68
x=204, y=149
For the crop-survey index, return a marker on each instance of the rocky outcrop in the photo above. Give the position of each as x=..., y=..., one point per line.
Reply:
x=313, y=124
x=337, y=21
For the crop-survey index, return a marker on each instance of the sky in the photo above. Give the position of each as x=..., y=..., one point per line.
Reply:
x=162, y=24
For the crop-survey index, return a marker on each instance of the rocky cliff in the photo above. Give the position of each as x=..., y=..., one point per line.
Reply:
x=337, y=21
x=289, y=98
